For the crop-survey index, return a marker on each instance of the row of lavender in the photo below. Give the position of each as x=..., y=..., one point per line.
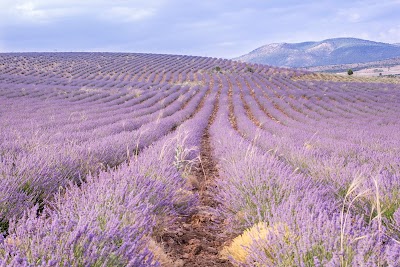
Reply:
x=43, y=147
x=53, y=136
x=111, y=70
x=56, y=132
x=309, y=172
x=58, y=145
x=110, y=219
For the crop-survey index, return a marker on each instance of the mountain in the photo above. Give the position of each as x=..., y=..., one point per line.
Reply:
x=328, y=52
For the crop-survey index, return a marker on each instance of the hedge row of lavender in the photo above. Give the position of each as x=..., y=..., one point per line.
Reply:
x=112, y=70
x=34, y=167
x=29, y=143
x=109, y=220
x=306, y=178
x=312, y=219
x=336, y=154
x=85, y=115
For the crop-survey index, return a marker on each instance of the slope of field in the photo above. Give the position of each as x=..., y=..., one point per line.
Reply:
x=385, y=66
x=158, y=160
x=344, y=77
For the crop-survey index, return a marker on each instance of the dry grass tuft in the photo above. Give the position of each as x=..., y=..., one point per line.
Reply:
x=239, y=250
x=161, y=256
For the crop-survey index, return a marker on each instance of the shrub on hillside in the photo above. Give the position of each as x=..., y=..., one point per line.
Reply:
x=250, y=69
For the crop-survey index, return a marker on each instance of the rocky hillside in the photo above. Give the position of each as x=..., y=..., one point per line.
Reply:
x=328, y=52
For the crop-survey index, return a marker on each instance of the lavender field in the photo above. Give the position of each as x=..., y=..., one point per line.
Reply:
x=112, y=159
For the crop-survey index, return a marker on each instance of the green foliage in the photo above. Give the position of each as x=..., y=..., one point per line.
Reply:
x=318, y=251
x=250, y=69
x=27, y=187
x=350, y=72
x=4, y=224
x=217, y=69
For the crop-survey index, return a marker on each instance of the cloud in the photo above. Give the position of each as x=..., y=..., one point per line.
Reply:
x=226, y=44
x=47, y=11
x=367, y=11
x=220, y=28
x=350, y=15
x=37, y=12
x=29, y=10
x=128, y=14
x=391, y=35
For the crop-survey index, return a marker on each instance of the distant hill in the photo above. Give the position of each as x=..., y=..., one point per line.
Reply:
x=328, y=52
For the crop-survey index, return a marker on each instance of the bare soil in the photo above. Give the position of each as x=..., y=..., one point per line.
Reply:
x=197, y=240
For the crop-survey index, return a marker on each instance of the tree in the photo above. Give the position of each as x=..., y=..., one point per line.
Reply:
x=350, y=72
x=249, y=69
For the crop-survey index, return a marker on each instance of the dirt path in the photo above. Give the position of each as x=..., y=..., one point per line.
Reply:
x=197, y=240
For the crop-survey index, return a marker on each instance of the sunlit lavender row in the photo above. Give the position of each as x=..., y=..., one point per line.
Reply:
x=97, y=153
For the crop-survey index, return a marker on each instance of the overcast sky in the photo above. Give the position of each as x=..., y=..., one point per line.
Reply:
x=217, y=28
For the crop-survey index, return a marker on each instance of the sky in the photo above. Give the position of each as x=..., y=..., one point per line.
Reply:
x=215, y=28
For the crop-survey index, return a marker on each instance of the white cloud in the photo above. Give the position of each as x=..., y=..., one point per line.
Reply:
x=37, y=11
x=392, y=35
x=6, y=4
x=349, y=15
x=28, y=10
x=365, y=11
x=45, y=11
x=217, y=28
x=128, y=14
x=226, y=44
x=354, y=17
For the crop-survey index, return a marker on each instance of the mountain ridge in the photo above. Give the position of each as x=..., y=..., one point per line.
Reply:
x=332, y=51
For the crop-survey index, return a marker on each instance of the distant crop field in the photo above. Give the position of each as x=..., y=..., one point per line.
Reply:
x=361, y=76
x=112, y=159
